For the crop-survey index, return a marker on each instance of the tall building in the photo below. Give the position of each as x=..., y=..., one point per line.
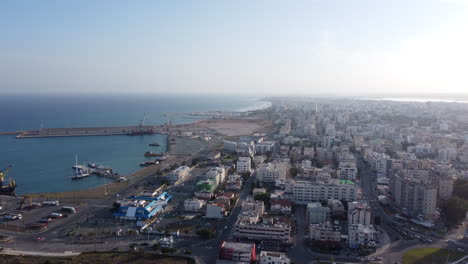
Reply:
x=359, y=213
x=414, y=195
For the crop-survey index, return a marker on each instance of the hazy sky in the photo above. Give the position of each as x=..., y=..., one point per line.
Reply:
x=264, y=47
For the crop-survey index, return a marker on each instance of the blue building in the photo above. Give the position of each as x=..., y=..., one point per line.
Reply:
x=142, y=208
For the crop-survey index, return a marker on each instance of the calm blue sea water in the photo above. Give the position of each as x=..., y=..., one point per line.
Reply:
x=44, y=164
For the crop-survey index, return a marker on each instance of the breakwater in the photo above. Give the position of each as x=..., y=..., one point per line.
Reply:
x=89, y=131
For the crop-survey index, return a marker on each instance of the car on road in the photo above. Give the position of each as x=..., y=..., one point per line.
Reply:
x=45, y=220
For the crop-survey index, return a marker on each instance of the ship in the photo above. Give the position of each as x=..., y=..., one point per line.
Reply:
x=148, y=163
x=152, y=154
x=141, y=130
x=7, y=188
x=154, y=144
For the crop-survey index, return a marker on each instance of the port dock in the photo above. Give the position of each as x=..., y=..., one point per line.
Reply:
x=88, y=131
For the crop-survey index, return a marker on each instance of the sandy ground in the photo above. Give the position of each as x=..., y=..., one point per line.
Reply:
x=234, y=127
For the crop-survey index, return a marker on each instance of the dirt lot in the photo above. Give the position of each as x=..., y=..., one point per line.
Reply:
x=118, y=258
x=234, y=127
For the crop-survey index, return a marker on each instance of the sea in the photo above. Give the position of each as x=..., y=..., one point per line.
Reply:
x=45, y=164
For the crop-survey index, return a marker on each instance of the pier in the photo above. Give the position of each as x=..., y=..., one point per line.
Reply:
x=88, y=131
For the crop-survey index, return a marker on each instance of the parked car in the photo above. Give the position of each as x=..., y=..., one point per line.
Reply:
x=56, y=215
x=13, y=216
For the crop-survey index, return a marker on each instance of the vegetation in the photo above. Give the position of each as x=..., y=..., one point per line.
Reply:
x=205, y=233
x=265, y=197
x=431, y=255
x=460, y=188
x=293, y=171
x=456, y=207
x=455, y=210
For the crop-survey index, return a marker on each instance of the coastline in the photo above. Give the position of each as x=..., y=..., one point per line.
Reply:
x=217, y=125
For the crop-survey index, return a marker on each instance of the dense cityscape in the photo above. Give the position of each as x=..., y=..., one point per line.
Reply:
x=304, y=180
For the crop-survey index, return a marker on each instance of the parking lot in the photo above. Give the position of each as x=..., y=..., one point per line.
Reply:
x=30, y=216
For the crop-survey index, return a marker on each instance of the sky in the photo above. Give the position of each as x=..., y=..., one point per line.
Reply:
x=269, y=47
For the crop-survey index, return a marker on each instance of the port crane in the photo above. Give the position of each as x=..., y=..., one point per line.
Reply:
x=3, y=173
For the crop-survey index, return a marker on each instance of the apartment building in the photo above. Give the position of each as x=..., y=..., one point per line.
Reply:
x=361, y=236
x=272, y=172
x=270, y=257
x=244, y=164
x=193, y=205
x=325, y=233
x=178, y=175
x=359, y=213
x=316, y=213
x=267, y=229
x=241, y=252
x=414, y=195
x=303, y=192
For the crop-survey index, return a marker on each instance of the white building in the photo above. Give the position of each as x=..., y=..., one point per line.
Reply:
x=270, y=257
x=282, y=206
x=359, y=213
x=325, y=232
x=178, y=175
x=265, y=146
x=316, y=213
x=267, y=229
x=271, y=172
x=244, y=164
x=240, y=252
x=255, y=206
x=306, y=164
x=217, y=175
x=361, y=236
x=303, y=192
x=214, y=210
x=347, y=170
x=309, y=152
x=193, y=205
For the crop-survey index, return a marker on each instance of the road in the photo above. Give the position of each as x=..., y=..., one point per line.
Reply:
x=369, y=187
x=208, y=251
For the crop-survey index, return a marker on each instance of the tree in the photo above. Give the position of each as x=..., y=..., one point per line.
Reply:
x=205, y=233
x=265, y=197
x=455, y=210
x=377, y=220
x=195, y=161
x=294, y=171
x=460, y=188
